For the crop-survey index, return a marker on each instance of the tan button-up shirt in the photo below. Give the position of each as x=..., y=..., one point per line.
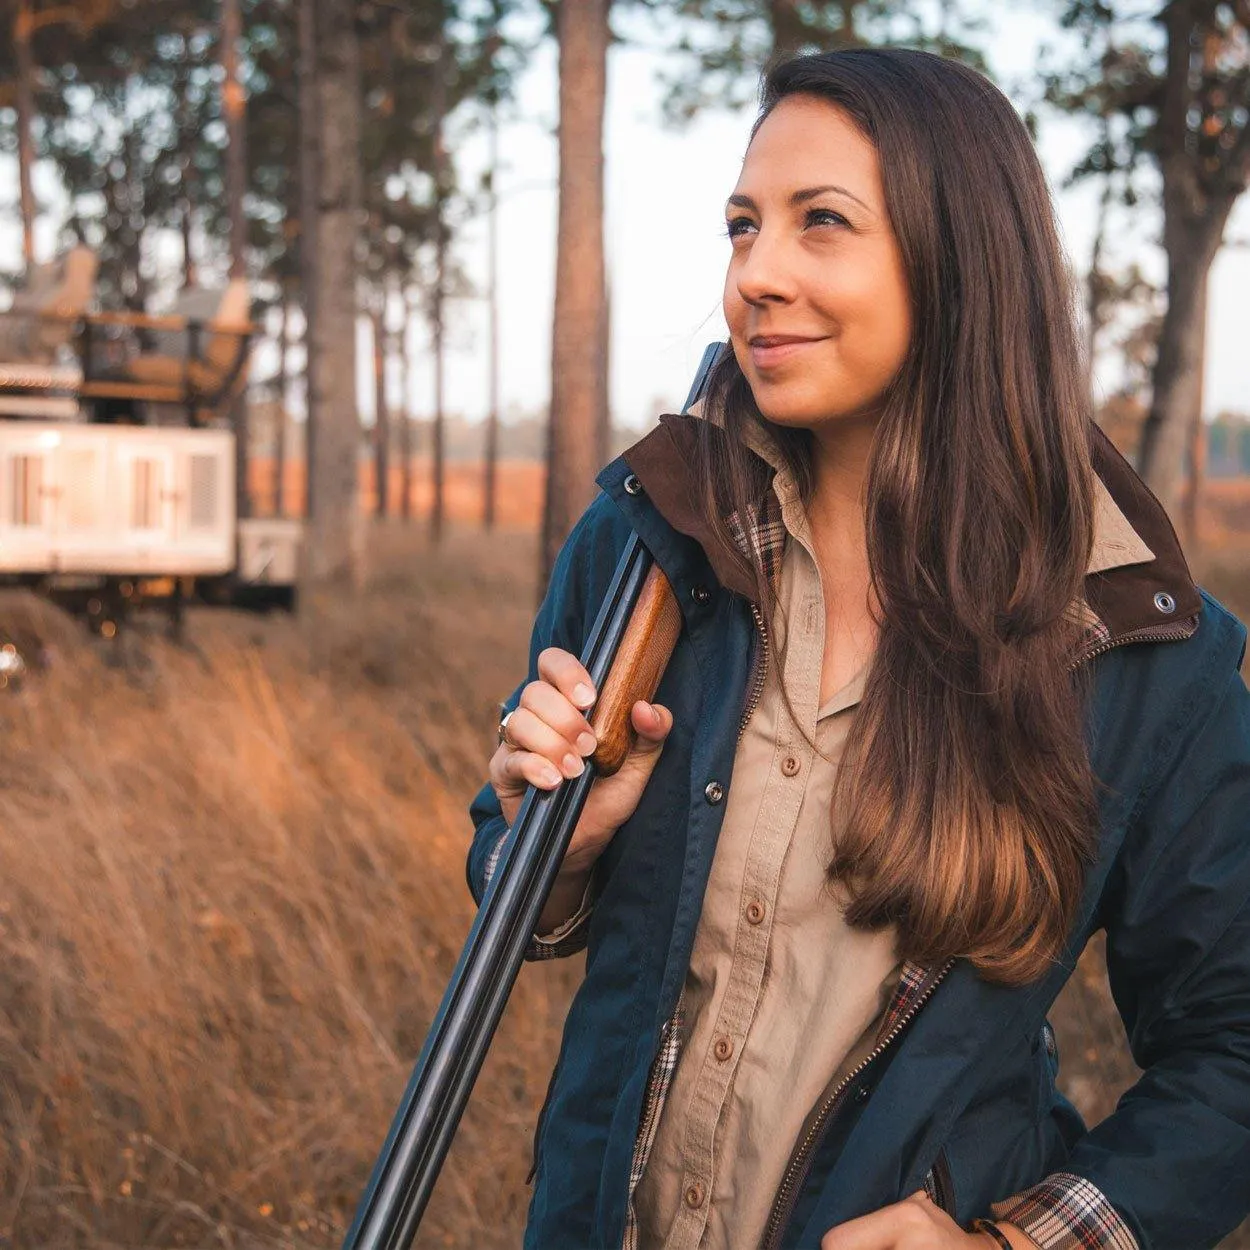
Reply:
x=781, y=994
x=782, y=998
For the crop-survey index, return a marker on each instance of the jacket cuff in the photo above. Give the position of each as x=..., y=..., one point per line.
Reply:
x=1067, y=1212
x=567, y=938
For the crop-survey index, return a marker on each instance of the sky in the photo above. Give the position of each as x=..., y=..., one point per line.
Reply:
x=665, y=194
x=666, y=250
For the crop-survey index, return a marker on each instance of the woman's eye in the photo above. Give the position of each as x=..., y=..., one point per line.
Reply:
x=737, y=226
x=825, y=217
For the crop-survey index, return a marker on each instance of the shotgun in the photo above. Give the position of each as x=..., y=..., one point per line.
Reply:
x=626, y=654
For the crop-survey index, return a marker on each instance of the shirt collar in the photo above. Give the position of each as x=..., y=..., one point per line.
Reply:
x=1116, y=543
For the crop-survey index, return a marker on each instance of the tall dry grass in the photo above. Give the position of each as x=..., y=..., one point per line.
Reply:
x=233, y=893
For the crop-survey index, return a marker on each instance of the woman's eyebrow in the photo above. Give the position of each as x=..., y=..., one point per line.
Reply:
x=799, y=197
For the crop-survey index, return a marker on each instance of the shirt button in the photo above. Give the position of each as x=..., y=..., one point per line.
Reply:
x=713, y=792
x=700, y=594
x=790, y=765
x=755, y=911
x=632, y=485
x=723, y=1049
x=694, y=1195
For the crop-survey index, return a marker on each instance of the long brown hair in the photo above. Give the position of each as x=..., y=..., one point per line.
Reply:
x=966, y=779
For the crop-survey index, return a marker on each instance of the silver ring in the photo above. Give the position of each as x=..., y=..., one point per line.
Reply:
x=504, y=740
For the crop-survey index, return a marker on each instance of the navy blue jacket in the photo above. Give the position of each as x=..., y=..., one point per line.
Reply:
x=969, y=1088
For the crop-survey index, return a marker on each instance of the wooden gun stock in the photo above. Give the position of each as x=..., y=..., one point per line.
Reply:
x=640, y=662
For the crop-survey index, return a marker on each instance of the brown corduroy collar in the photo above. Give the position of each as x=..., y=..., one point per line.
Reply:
x=1138, y=588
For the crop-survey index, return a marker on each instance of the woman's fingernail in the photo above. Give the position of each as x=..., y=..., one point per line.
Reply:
x=586, y=743
x=583, y=695
x=573, y=766
x=551, y=776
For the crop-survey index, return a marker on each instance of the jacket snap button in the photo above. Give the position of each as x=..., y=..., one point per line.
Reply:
x=755, y=912
x=723, y=1049
x=713, y=792
x=1165, y=603
x=790, y=765
x=694, y=1195
x=700, y=594
x=632, y=485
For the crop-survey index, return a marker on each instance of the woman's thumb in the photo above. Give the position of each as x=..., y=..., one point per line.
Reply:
x=652, y=721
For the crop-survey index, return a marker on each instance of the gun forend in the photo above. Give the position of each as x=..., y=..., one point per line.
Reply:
x=641, y=659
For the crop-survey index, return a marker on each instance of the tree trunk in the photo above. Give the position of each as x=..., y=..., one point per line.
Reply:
x=309, y=146
x=284, y=381
x=410, y=369
x=787, y=28
x=576, y=362
x=603, y=428
x=381, y=420
x=334, y=532
x=1190, y=248
x=438, y=311
x=23, y=26
x=1196, y=453
x=491, y=455
x=1096, y=287
x=1193, y=228
x=234, y=105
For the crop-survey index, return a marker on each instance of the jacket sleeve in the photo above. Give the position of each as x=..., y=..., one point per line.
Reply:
x=1171, y=1165
x=579, y=580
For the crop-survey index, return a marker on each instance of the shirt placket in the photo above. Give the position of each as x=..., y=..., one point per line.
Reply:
x=770, y=840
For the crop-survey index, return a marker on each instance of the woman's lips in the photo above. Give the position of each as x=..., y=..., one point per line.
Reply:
x=765, y=355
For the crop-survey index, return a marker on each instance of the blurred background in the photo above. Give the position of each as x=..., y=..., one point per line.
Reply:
x=321, y=317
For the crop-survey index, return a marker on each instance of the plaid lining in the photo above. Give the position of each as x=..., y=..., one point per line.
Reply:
x=1067, y=1212
x=567, y=939
x=659, y=1080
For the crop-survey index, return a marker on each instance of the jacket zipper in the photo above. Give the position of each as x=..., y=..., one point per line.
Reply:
x=1150, y=633
x=800, y=1162
x=761, y=667
x=943, y=1186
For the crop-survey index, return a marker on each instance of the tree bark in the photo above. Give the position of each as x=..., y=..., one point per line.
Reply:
x=334, y=534
x=1095, y=286
x=234, y=107
x=309, y=146
x=491, y=456
x=381, y=420
x=576, y=354
x=1196, y=454
x=410, y=368
x=439, y=301
x=1193, y=228
x=23, y=28
x=1176, y=393
x=284, y=382
x=603, y=420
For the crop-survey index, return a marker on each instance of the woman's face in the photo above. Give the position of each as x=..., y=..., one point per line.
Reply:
x=815, y=296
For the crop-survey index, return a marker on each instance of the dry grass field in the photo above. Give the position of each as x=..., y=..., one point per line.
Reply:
x=234, y=890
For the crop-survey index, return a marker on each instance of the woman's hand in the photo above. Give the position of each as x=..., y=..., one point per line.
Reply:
x=913, y=1224
x=552, y=737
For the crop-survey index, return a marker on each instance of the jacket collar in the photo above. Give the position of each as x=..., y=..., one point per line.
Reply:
x=1137, y=585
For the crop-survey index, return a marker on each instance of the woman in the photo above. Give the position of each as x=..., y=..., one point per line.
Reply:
x=945, y=703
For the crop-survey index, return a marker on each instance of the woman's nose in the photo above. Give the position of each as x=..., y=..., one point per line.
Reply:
x=765, y=273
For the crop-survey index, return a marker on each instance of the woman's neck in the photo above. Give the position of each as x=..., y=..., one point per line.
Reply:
x=835, y=511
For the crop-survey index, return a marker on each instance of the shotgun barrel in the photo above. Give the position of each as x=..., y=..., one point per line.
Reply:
x=626, y=653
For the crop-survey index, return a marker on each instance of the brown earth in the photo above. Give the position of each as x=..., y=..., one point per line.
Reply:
x=234, y=890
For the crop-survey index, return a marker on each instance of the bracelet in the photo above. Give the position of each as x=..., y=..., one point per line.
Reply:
x=988, y=1226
